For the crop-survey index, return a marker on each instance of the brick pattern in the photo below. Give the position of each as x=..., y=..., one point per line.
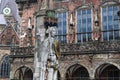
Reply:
x=28, y=12
x=89, y=61
x=9, y=36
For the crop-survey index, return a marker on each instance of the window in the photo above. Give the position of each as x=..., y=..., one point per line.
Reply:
x=110, y=24
x=84, y=25
x=62, y=25
x=5, y=67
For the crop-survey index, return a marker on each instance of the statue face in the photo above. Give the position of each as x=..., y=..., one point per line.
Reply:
x=53, y=31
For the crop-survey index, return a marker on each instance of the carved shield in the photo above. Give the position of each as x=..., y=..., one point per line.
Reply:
x=57, y=48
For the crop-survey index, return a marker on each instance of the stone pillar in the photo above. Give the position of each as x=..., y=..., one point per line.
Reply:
x=91, y=74
x=11, y=70
x=39, y=26
x=63, y=75
x=43, y=19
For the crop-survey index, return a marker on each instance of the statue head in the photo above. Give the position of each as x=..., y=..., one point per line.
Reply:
x=52, y=31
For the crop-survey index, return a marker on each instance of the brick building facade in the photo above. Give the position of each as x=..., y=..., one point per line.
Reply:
x=89, y=38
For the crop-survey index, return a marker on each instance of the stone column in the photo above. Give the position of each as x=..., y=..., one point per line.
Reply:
x=39, y=25
x=63, y=77
x=11, y=69
x=91, y=74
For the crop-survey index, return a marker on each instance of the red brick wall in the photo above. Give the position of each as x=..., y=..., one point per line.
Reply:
x=72, y=6
x=28, y=12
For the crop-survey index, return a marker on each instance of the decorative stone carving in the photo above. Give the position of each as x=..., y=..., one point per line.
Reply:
x=96, y=29
x=91, y=47
x=45, y=4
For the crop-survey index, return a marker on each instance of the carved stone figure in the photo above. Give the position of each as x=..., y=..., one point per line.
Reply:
x=46, y=54
x=39, y=4
x=45, y=4
x=96, y=15
x=52, y=56
x=96, y=32
x=71, y=29
x=50, y=5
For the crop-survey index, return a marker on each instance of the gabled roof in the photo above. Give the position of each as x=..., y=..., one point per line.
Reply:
x=12, y=33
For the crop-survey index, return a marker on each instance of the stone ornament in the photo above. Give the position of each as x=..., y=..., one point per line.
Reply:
x=45, y=4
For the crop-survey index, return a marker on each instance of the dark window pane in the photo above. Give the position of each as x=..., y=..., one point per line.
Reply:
x=105, y=18
x=109, y=22
x=89, y=28
x=105, y=35
x=110, y=35
x=5, y=67
x=110, y=27
x=79, y=37
x=89, y=20
x=62, y=23
x=84, y=37
x=116, y=34
x=84, y=24
x=110, y=18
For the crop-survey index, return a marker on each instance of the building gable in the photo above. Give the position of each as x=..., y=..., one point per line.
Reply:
x=9, y=36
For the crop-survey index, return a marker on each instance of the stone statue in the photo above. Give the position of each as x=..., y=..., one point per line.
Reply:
x=50, y=5
x=39, y=4
x=47, y=63
x=42, y=4
x=45, y=4
x=71, y=29
x=96, y=31
x=52, y=65
x=96, y=15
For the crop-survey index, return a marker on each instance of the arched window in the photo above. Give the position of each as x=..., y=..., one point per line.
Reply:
x=110, y=23
x=84, y=25
x=5, y=67
x=62, y=26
